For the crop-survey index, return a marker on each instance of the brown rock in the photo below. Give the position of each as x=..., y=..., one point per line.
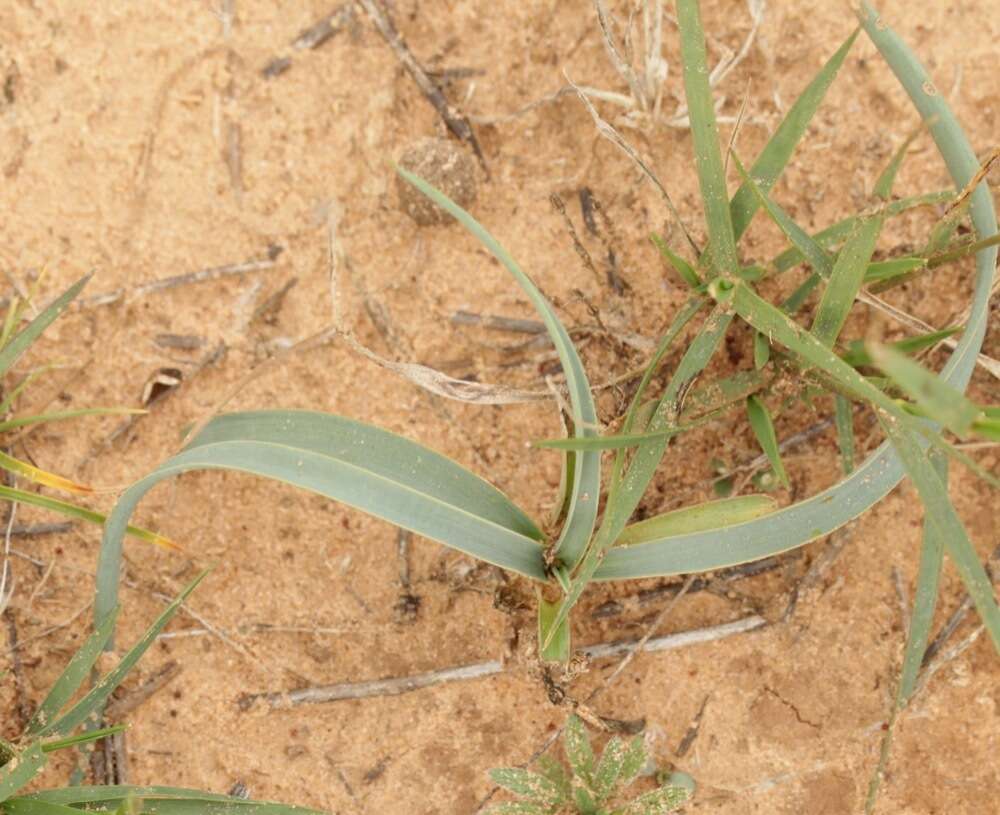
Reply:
x=442, y=164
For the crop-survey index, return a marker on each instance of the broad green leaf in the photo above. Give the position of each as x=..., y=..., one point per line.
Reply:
x=947, y=525
x=710, y=515
x=938, y=400
x=844, y=420
x=536, y=788
x=558, y=642
x=845, y=281
x=579, y=753
x=13, y=350
x=72, y=677
x=657, y=802
x=763, y=429
x=98, y=695
x=371, y=469
x=858, y=357
x=609, y=768
x=721, y=251
x=684, y=269
x=582, y=511
x=84, y=514
x=20, y=770
x=775, y=155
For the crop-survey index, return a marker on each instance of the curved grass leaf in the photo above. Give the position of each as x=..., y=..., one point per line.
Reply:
x=721, y=251
x=63, y=415
x=43, y=477
x=586, y=484
x=365, y=467
x=20, y=770
x=710, y=515
x=13, y=350
x=72, y=677
x=775, y=155
x=763, y=428
x=84, y=514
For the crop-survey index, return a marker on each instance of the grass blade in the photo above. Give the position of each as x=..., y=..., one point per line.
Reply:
x=843, y=418
x=13, y=350
x=72, y=676
x=775, y=155
x=937, y=400
x=710, y=515
x=857, y=355
x=84, y=514
x=721, y=251
x=582, y=512
x=684, y=269
x=63, y=415
x=558, y=647
x=154, y=801
x=43, y=477
x=763, y=429
x=95, y=699
x=20, y=770
x=947, y=525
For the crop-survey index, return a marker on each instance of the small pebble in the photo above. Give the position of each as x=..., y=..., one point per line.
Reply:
x=444, y=165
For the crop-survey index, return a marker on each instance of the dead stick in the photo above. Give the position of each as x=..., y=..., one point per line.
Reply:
x=405, y=684
x=123, y=706
x=312, y=37
x=455, y=120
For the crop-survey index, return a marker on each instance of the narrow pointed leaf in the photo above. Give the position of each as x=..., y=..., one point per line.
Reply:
x=775, y=155
x=91, y=704
x=844, y=422
x=156, y=801
x=72, y=677
x=857, y=356
x=761, y=351
x=43, y=477
x=20, y=770
x=558, y=647
x=582, y=512
x=63, y=415
x=944, y=230
x=13, y=350
x=82, y=738
x=722, y=259
x=711, y=515
x=938, y=400
x=948, y=526
x=684, y=269
x=84, y=514
x=884, y=270
x=763, y=429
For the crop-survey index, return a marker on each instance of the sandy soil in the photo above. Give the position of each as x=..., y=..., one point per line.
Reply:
x=117, y=133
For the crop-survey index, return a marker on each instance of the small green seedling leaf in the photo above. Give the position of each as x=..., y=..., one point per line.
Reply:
x=556, y=773
x=684, y=269
x=710, y=515
x=609, y=768
x=936, y=399
x=763, y=428
x=761, y=350
x=658, y=802
x=634, y=761
x=536, y=788
x=579, y=753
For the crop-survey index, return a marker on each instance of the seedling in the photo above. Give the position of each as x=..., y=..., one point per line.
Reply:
x=592, y=786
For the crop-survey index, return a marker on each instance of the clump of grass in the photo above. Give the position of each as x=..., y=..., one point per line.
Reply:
x=415, y=488
x=593, y=786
